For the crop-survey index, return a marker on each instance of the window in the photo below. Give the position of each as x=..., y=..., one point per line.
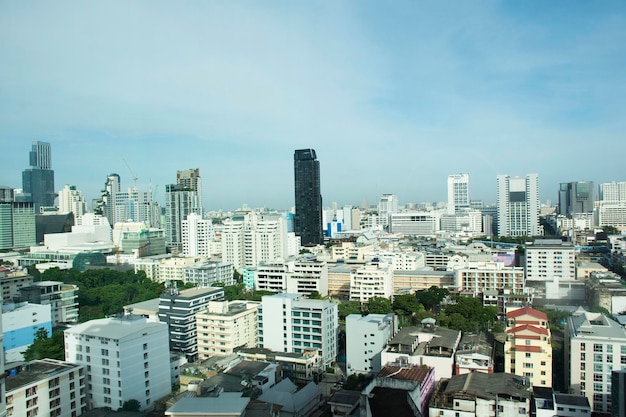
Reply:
x=597, y=347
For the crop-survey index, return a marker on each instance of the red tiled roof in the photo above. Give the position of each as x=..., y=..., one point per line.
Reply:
x=533, y=329
x=526, y=310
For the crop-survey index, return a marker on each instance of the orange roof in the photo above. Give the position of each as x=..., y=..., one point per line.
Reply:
x=526, y=310
x=533, y=329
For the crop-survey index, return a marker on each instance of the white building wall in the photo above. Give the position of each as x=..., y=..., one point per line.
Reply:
x=366, y=337
x=372, y=280
x=20, y=323
x=125, y=359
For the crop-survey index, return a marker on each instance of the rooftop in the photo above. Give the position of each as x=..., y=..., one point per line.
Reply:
x=38, y=370
x=414, y=373
x=226, y=403
x=526, y=311
x=583, y=324
x=115, y=328
x=488, y=386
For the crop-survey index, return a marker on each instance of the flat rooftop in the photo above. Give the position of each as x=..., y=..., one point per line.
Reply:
x=37, y=370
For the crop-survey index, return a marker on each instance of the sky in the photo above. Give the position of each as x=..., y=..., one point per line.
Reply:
x=393, y=96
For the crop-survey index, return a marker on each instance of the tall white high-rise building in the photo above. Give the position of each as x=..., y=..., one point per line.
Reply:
x=197, y=235
x=458, y=192
x=518, y=205
x=72, y=200
x=610, y=210
x=306, y=325
x=387, y=205
x=126, y=358
x=613, y=192
x=249, y=238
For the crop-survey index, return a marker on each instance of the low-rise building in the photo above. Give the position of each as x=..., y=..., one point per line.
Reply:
x=46, y=387
x=366, y=337
x=475, y=353
x=62, y=298
x=477, y=394
x=299, y=367
x=20, y=324
x=225, y=326
x=372, y=280
x=11, y=280
x=428, y=345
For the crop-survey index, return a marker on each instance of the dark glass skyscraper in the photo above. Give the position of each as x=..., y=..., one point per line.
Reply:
x=308, y=218
x=38, y=178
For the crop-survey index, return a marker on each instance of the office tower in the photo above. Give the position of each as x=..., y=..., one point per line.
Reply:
x=181, y=199
x=306, y=325
x=458, y=192
x=38, y=178
x=518, y=205
x=24, y=226
x=71, y=200
x=576, y=197
x=308, y=197
x=126, y=358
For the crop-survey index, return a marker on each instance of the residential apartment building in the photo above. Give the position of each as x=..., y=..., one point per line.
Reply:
x=180, y=201
x=20, y=323
x=475, y=354
x=458, y=193
x=306, y=324
x=272, y=276
x=528, y=348
x=72, y=200
x=207, y=273
x=11, y=281
x=366, y=337
x=407, y=282
x=550, y=266
x=197, y=235
x=225, y=326
x=371, y=280
x=595, y=346
x=62, y=298
x=46, y=387
x=125, y=359
x=479, y=277
x=417, y=223
x=309, y=275
x=178, y=310
x=518, y=205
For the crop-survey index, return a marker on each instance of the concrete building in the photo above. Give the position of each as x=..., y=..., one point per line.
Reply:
x=576, y=197
x=138, y=239
x=125, y=358
x=424, y=345
x=20, y=323
x=309, y=275
x=366, y=337
x=11, y=281
x=197, y=235
x=477, y=394
x=387, y=205
x=528, y=346
x=518, y=205
x=207, y=273
x=178, y=310
x=272, y=276
x=458, y=193
x=225, y=326
x=371, y=280
x=72, y=200
x=46, y=387
x=180, y=201
x=417, y=223
x=399, y=390
x=407, y=282
x=62, y=298
x=306, y=324
x=308, y=197
x=475, y=354
x=299, y=367
x=550, y=267
x=480, y=277
x=594, y=346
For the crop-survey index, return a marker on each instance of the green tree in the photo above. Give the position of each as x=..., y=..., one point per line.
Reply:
x=46, y=347
x=379, y=305
x=315, y=295
x=348, y=307
x=431, y=297
x=131, y=405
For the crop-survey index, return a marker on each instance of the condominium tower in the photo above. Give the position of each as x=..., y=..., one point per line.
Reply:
x=518, y=205
x=458, y=192
x=38, y=178
x=308, y=197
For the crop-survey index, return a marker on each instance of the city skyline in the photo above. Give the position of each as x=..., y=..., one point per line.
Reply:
x=392, y=98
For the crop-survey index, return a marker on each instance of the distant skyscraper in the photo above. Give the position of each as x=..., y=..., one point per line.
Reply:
x=576, y=197
x=181, y=199
x=308, y=217
x=38, y=178
x=518, y=205
x=458, y=192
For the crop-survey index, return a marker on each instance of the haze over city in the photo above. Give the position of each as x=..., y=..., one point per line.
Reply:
x=393, y=98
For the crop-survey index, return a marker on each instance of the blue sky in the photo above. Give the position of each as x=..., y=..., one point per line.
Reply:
x=394, y=96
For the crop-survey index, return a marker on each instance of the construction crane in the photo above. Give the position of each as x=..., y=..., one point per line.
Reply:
x=132, y=173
